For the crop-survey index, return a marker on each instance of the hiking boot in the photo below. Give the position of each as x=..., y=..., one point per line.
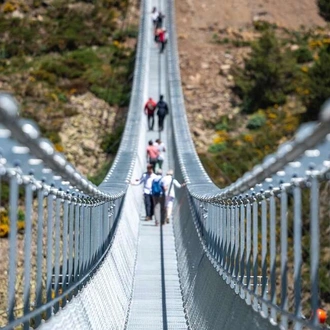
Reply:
x=167, y=220
x=148, y=218
x=156, y=223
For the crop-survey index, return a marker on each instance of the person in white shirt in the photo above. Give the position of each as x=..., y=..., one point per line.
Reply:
x=168, y=183
x=161, y=148
x=147, y=179
x=154, y=16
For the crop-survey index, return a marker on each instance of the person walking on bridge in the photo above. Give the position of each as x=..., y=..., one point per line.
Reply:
x=158, y=198
x=160, y=18
x=152, y=155
x=162, y=37
x=149, y=110
x=154, y=16
x=147, y=179
x=161, y=148
x=162, y=111
x=168, y=183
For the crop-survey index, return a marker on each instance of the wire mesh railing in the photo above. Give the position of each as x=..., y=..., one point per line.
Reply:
x=59, y=226
x=266, y=234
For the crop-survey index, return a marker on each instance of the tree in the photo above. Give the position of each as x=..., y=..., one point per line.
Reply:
x=324, y=7
x=267, y=75
x=318, y=84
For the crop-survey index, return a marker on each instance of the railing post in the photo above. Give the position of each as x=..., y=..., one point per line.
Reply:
x=314, y=247
x=297, y=251
x=255, y=251
x=248, y=250
x=242, y=247
x=264, y=284
x=273, y=274
x=27, y=248
x=13, y=202
x=284, y=256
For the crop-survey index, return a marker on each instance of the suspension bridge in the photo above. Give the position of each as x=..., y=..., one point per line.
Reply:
x=238, y=257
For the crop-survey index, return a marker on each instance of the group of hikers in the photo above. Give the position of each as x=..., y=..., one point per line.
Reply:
x=159, y=31
x=158, y=190
x=162, y=110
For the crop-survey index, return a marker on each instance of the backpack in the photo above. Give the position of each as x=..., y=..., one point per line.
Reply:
x=156, y=188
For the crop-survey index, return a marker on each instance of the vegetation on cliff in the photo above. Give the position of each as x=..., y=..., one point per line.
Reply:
x=283, y=82
x=51, y=50
x=324, y=7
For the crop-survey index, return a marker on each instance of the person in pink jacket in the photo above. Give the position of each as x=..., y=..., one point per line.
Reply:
x=152, y=155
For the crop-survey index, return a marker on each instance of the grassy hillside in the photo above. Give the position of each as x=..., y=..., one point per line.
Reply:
x=52, y=50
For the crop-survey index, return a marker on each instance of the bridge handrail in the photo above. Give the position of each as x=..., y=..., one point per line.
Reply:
x=307, y=137
x=69, y=223
x=245, y=229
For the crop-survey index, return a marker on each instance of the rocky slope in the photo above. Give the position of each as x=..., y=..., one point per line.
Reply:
x=205, y=66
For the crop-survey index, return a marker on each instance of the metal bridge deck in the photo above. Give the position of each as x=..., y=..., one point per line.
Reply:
x=157, y=300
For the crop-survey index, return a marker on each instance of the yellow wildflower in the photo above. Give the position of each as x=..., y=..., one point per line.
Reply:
x=248, y=138
x=4, y=230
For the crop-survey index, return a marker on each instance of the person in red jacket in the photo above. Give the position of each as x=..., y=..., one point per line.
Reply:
x=162, y=37
x=149, y=110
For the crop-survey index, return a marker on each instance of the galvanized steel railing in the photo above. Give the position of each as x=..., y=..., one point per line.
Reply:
x=59, y=225
x=266, y=234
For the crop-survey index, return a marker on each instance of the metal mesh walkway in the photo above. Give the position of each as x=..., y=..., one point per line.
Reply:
x=157, y=300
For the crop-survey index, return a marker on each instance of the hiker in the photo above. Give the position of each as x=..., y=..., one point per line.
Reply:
x=168, y=182
x=162, y=111
x=158, y=198
x=159, y=23
x=162, y=38
x=149, y=110
x=161, y=149
x=152, y=155
x=147, y=179
x=154, y=16
x=157, y=33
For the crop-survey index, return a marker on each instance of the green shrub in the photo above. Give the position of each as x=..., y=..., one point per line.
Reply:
x=112, y=95
x=223, y=126
x=62, y=29
x=215, y=148
x=111, y=141
x=267, y=76
x=44, y=75
x=72, y=65
x=303, y=55
x=225, y=123
x=240, y=43
x=52, y=136
x=324, y=8
x=262, y=26
x=99, y=177
x=318, y=85
x=20, y=215
x=256, y=121
x=129, y=32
